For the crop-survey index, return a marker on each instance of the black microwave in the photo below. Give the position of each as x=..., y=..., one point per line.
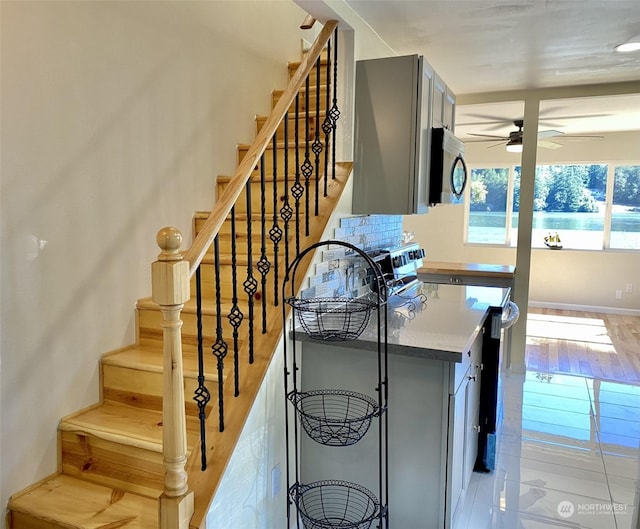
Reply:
x=448, y=174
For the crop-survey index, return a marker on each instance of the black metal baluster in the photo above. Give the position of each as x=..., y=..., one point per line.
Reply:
x=327, y=124
x=201, y=395
x=263, y=264
x=285, y=211
x=219, y=348
x=317, y=144
x=250, y=284
x=297, y=190
x=235, y=316
x=334, y=112
x=275, y=233
x=307, y=168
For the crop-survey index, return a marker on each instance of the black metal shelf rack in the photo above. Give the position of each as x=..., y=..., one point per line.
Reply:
x=335, y=417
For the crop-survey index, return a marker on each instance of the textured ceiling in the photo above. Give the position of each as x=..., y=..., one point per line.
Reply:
x=480, y=46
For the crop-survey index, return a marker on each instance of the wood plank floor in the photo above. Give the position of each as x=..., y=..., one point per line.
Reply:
x=604, y=346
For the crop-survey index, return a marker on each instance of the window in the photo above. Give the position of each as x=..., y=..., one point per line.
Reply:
x=491, y=205
x=625, y=210
x=587, y=206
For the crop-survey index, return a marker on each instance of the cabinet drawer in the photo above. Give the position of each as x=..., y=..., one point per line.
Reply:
x=466, y=279
x=470, y=365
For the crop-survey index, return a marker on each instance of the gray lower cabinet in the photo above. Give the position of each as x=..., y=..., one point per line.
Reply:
x=433, y=430
x=463, y=429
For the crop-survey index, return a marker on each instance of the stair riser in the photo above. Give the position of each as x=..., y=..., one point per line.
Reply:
x=144, y=388
x=241, y=230
x=256, y=199
x=20, y=520
x=150, y=329
x=109, y=463
x=277, y=94
x=312, y=74
x=268, y=160
x=302, y=127
x=208, y=287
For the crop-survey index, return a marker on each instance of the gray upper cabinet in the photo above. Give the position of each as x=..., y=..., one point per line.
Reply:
x=392, y=135
x=444, y=105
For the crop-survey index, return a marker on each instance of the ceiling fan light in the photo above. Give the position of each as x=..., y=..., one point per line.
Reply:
x=627, y=47
x=513, y=146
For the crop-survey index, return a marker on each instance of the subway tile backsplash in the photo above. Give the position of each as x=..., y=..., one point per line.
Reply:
x=343, y=273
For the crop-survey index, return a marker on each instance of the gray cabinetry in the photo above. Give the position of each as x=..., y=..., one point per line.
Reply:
x=464, y=404
x=392, y=135
x=433, y=428
x=444, y=105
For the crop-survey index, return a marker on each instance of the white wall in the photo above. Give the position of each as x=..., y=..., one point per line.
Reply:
x=116, y=119
x=567, y=277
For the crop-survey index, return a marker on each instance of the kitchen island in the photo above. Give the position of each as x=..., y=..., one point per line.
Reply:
x=434, y=364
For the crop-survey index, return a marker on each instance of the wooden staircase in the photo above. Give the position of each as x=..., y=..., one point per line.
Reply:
x=110, y=464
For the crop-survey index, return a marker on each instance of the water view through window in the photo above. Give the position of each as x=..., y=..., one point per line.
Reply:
x=574, y=203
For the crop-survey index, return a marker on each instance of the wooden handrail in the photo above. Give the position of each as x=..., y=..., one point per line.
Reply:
x=222, y=207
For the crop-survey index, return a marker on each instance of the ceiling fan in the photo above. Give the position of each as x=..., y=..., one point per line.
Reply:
x=513, y=141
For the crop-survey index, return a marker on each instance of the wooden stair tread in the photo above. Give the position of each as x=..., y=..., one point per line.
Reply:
x=208, y=309
x=312, y=88
x=302, y=114
x=280, y=145
x=291, y=178
x=342, y=169
x=75, y=503
x=128, y=425
x=293, y=65
x=148, y=358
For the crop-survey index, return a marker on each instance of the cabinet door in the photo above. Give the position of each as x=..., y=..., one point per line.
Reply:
x=387, y=134
x=439, y=97
x=421, y=190
x=456, y=453
x=444, y=105
x=449, y=111
x=472, y=408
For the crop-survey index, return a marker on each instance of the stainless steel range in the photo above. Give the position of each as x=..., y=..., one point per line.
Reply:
x=399, y=266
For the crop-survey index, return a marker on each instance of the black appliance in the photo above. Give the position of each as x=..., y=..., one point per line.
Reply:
x=448, y=175
x=485, y=461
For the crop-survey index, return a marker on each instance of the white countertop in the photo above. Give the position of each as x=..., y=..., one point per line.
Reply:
x=442, y=328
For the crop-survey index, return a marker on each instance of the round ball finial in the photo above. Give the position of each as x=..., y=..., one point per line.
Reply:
x=169, y=240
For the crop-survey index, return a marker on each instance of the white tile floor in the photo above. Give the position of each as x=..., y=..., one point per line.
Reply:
x=568, y=451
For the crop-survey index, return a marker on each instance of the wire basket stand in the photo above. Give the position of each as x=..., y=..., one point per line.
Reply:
x=330, y=416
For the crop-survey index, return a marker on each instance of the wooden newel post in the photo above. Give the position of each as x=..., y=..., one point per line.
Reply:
x=170, y=290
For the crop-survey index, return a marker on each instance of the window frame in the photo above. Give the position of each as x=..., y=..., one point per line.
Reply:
x=509, y=230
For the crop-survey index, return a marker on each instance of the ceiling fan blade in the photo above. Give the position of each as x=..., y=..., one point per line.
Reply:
x=489, y=136
x=583, y=136
x=549, y=144
x=497, y=144
x=549, y=133
x=490, y=119
x=584, y=116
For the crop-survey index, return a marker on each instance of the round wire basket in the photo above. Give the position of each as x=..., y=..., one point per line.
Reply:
x=335, y=417
x=332, y=319
x=335, y=504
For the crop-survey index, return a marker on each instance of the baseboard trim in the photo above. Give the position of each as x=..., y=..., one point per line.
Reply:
x=584, y=308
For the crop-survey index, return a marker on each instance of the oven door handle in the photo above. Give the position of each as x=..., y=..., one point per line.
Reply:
x=458, y=160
